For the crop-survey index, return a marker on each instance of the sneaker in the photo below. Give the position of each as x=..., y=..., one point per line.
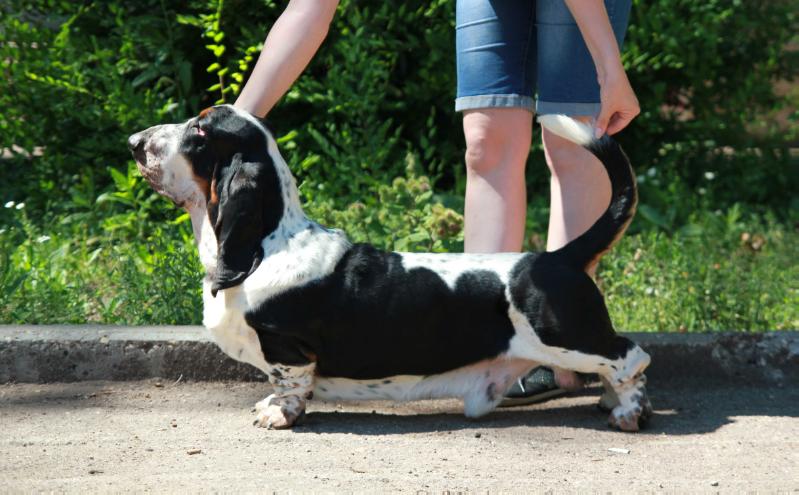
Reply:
x=537, y=386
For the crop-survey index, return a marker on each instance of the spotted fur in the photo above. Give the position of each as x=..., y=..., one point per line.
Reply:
x=323, y=317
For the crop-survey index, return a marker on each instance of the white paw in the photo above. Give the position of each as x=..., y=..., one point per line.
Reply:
x=624, y=420
x=276, y=413
x=631, y=417
x=261, y=405
x=608, y=401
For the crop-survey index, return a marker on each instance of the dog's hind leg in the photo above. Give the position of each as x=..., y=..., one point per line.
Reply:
x=624, y=380
x=619, y=362
x=293, y=385
x=481, y=385
x=489, y=387
x=625, y=391
x=561, y=320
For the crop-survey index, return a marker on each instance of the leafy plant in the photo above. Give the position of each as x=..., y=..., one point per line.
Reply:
x=370, y=132
x=722, y=271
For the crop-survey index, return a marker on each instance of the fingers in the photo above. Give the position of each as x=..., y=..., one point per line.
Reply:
x=619, y=121
x=601, y=122
x=613, y=122
x=619, y=106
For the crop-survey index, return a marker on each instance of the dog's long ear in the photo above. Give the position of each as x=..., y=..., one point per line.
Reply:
x=246, y=205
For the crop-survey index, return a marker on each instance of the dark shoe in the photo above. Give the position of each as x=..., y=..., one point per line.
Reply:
x=537, y=386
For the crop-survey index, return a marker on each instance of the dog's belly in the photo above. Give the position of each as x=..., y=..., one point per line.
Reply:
x=486, y=381
x=389, y=388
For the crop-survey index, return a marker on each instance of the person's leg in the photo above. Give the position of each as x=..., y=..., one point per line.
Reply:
x=495, y=42
x=567, y=84
x=496, y=69
x=497, y=145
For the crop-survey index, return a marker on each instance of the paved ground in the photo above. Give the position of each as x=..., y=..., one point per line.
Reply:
x=166, y=437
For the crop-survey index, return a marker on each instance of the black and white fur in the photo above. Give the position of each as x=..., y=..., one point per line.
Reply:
x=324, y=317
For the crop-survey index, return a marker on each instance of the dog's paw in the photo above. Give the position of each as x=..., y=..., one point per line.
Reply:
x=608, y=401
x=631, y=418
x=273, y=418
x=277, y=413
x=625, y=421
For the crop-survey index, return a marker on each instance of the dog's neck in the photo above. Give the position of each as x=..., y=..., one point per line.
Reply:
x=293, y=219
x=298, y=251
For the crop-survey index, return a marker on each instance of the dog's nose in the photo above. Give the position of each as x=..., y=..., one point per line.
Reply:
x=135, y=141
x=136, y=146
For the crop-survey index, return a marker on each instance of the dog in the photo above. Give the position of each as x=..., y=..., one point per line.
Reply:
x=323, y=317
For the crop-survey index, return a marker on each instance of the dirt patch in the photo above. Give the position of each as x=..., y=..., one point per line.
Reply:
x=137, y=436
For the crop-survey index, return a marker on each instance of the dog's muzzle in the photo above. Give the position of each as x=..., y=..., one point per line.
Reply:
x=139, y=144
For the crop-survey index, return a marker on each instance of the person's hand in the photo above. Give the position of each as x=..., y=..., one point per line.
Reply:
x=619, y=106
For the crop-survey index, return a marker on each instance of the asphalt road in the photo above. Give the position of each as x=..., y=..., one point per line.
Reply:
x=198, y=437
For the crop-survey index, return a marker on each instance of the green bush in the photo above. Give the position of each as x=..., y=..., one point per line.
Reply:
x=370, y=132
x=705, y=74
x=728, y=273
x=66, y=274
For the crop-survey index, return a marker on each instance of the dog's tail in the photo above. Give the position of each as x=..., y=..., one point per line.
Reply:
x=599, y=238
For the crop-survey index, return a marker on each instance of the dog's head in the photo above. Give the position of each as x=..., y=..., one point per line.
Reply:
x=220, y=161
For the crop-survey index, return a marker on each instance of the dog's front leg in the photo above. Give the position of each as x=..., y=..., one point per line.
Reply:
x=293, y=386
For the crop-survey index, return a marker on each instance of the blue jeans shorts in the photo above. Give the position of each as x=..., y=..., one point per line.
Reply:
x=509, y=51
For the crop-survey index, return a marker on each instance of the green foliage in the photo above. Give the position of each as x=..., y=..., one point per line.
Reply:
x=67, y=274
x=705, y=74
x=77, y=77
x=721, y=272
x=724, y=273
x=376, y=91
x=369, y=130
x=405, y=217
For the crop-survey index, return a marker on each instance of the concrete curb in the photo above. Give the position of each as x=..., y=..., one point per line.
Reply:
x=66, y=353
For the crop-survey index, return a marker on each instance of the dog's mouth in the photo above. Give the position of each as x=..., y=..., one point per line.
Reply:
x=149, y=166
x=153, y=175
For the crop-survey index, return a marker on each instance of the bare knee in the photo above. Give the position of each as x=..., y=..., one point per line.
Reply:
x=496, y=139
x=482, y=151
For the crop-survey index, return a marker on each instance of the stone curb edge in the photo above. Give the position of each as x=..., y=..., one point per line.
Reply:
x=66, y=353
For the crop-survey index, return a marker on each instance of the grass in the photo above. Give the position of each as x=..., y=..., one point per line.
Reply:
x=721, y=272
x=716, y=275
x=68, y=275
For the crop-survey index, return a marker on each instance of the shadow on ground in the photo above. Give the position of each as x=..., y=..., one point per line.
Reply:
x=678, y=411
x=685, y=409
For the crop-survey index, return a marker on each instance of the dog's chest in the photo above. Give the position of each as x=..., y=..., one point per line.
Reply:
x=224, y=318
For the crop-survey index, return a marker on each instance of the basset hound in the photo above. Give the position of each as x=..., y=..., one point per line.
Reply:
x=327, y=318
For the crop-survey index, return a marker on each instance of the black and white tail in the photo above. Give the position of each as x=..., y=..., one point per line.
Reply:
x=588, y=247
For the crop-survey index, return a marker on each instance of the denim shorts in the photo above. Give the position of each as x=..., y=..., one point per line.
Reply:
x=509, y=51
